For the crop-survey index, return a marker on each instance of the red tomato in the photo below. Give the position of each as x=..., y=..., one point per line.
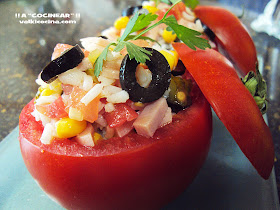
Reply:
x=231, y=35
x=120, y=115
x=233, y=104
x=177, y=11
x=132, y=172
x=53, y=110
x=89, y=111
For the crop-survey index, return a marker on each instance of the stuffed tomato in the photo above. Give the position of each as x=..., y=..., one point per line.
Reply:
x=121, y=123
x=122, y=172
x=109, y=130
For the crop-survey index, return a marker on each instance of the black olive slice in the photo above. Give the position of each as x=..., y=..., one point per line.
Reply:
x=179, y=69
x=207, y=30
x=68, y=60
x=161, y=76
x=131, y=10
x=103, y=37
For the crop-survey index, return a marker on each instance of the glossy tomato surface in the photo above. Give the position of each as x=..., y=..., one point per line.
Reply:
x=132, y=172
x=231, y=34
x=233, y=104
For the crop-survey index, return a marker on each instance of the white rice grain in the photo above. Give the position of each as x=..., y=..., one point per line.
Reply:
x=92, y=94
x=109, y=107
x=48, y=133
x=119, y=97
x=87, y=83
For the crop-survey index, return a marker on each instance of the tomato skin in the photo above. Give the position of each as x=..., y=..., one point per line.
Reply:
x=231, y=35
x=233, y=104
x=132, y=172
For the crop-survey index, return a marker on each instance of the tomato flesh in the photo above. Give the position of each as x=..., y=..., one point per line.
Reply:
x=120, y=115
x=132, y=172
x=53, y=110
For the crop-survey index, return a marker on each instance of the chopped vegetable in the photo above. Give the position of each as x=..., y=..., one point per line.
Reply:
x=179, y=97
x=121, y=22
x=168, y=36
x=67, y=127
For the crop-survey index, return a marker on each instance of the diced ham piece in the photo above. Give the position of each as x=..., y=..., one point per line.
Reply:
x=167, y=117
x=150, y=118
x=124, y=128
x=86, y=137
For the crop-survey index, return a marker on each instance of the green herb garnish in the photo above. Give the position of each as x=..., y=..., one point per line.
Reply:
x=256, y=85
x=141, y=22
x=191, y=3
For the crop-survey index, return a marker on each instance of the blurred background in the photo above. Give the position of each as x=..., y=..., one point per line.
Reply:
x=26, y=48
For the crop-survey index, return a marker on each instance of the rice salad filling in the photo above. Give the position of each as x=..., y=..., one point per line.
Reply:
x=125, y=95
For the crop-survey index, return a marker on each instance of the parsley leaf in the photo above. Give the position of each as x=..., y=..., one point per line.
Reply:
x=131, y=37
x=191, y=3
x=130, y=26
x=99, y=61
x=136, y=52
x=143, y=21
x=186, y=35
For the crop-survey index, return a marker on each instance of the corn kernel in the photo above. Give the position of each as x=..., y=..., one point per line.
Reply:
x=138, y=104
x=169, y=57
x=47, y=92
x=121, y=22
x=168, y=36
x=176, y=57
x=56, y=86
x=67, y=127
x=93, y=55
x=181, y=96
x=97, y=137
x=150, y=9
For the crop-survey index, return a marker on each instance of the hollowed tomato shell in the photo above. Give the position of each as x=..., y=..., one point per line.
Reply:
x=132, y=172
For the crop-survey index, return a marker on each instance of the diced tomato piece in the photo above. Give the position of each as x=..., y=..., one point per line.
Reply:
x=67, y=89
x=177, y=11
x=120, y=115
x=53, y=110
x=90, y=111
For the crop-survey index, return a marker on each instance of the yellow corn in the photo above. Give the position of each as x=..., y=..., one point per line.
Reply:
x=93, y=55
x=96, y=137
x=168, y=36
x=67, y=127
x=121, y=22
x=150, y=9
x=138, y=104
x=50, y=89
x=169, y=56
x=181, y=96
x=56, y=86
x=47, y=92
x=176, y=57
